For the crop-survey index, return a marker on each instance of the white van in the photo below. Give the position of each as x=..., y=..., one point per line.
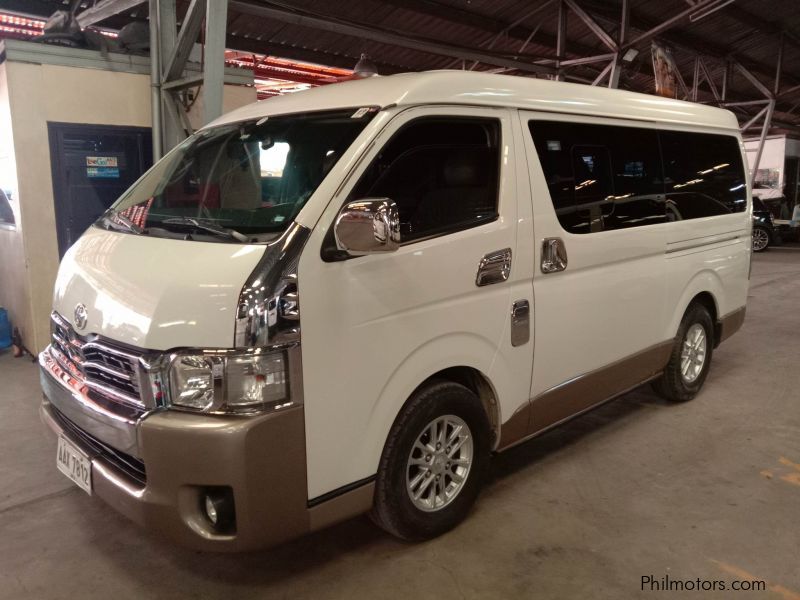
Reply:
x=345, y=300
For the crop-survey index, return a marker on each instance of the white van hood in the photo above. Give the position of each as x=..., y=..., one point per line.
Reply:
x=154, y=293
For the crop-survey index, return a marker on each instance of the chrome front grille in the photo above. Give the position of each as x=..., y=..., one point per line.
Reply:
x=110, y=373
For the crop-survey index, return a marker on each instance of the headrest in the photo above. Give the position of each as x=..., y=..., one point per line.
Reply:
x=463, y=169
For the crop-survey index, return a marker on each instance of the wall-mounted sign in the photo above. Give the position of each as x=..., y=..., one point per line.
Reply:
x=102, y=167
x=101, y=161
x=102, y=172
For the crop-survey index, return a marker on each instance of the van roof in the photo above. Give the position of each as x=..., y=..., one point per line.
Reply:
x=486, y=89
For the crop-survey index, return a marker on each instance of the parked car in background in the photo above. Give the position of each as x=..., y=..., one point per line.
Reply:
x=765, y=234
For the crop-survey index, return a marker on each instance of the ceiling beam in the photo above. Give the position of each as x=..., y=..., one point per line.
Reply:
x=668, y=24
x=187, y=36
x=384, y=36
x=754, y=80
x=481, y=22
x=345, y=61
x=593, y=25
x=105, y=9
x=745, y=17
x=683, y=40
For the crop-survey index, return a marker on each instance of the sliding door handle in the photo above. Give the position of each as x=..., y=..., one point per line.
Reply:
x=554, y=255
x=494, y=267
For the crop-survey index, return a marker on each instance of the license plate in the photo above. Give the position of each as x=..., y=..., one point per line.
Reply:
x=74, y=464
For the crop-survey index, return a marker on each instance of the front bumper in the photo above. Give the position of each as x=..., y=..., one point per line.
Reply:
x=262, y=459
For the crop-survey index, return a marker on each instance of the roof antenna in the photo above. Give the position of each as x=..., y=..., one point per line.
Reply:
x=365, y=67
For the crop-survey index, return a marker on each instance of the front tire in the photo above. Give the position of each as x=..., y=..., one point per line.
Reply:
x=433, y=464
x=761, y=239
x=690, y=359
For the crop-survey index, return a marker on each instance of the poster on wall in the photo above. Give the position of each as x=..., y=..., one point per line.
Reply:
x=102, y=167
x=664, y=70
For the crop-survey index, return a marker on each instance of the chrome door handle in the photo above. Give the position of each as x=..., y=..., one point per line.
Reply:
x=554, y=255
x=520, y=322
x=494, y=267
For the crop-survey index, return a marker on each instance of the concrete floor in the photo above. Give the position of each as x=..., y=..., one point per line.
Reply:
x=709, y=490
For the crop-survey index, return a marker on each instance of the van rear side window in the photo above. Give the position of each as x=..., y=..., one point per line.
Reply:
x=704, y=175
x=604, y=177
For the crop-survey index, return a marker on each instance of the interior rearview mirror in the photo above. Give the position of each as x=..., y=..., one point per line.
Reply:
x=368, y=226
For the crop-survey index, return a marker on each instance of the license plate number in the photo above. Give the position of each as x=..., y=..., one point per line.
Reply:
x=74, y=464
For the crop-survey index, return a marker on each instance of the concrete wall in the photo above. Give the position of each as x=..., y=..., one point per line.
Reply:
x=38, y=94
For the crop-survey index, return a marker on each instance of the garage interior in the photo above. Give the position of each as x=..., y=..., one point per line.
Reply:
x=639, y=487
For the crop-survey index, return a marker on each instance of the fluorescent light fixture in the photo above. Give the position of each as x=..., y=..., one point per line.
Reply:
x=630, y=54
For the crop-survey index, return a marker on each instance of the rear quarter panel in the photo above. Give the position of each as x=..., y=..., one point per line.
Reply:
x=708, y=255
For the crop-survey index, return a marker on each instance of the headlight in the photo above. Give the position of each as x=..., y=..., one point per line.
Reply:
x=193, y=382
x=229, y=382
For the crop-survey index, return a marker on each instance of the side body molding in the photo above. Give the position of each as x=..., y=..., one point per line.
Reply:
x=582, y=393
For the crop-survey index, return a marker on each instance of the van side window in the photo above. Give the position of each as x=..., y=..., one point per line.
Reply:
x=441, y=172
x=601, y=177
x=591, y=168
x=704, y=175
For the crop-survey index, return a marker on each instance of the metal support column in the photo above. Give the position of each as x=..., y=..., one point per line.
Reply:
x=214, y=59
x=155, y=81
x=726, y=73
x=777, y=86
x=762, y=139
x=616, y=66
x=561, y=39
x=171, y=131
x=709, y=80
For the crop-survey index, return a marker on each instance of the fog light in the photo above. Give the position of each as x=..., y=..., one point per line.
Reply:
x=211, y=510
x=219, y=509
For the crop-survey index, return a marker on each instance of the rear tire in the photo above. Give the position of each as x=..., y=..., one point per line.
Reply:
x=434, y=463
x=690, y=358
x=761, y=239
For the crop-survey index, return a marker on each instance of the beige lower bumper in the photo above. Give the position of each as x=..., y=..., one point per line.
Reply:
x=262, y=459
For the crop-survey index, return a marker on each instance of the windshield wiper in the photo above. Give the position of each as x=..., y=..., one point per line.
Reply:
x=217, y=230
x=122, y=223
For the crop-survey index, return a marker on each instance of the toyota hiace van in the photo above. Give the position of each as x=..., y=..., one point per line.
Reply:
x=345, y=300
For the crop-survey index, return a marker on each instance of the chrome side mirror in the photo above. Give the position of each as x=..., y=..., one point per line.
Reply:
x=368, y=226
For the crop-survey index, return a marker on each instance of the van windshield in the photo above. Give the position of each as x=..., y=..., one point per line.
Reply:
x=243, y=182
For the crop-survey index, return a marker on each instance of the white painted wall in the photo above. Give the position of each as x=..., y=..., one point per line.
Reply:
x=771, y=157
x=13, y=275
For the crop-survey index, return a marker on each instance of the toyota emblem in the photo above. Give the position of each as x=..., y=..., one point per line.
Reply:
x=81, y=316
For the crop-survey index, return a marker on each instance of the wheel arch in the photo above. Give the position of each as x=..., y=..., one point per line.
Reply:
x=705, y=288
x=476, y=382
x=461, y=358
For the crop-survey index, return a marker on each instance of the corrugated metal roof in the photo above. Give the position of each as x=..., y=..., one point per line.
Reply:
x=748, y=30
